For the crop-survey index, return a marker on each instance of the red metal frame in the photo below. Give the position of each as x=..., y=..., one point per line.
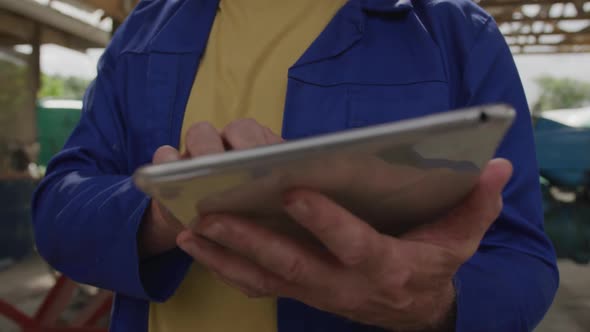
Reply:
x=55, y=303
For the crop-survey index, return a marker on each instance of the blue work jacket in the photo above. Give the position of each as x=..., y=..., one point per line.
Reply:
x=377, y=61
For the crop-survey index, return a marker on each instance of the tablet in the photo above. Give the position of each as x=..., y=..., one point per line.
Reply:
x=394, y=176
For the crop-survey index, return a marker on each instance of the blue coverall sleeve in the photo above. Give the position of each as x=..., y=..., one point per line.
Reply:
x=511, y=281
x=87, y=211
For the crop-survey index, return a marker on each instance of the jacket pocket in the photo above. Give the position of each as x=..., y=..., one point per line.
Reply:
x=371, y=105
x=313, y=109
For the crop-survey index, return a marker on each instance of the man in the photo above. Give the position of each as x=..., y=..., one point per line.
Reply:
x=330, y=65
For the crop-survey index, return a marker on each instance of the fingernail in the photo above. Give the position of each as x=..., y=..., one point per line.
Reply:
x=184, y=236
x=213, y=230
x=189, y=247
x=298, y=208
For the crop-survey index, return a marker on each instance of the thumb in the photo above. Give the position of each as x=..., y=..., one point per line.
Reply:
x=494, y=177
x=465, y=226
x=481, y=208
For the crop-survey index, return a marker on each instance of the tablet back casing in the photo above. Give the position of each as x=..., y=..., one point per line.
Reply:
x=393, y=176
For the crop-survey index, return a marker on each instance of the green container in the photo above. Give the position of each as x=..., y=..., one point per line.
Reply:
x=55, y=121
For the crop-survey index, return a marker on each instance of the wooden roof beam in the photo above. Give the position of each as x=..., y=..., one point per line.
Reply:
x=117, y=9
x=53, y=19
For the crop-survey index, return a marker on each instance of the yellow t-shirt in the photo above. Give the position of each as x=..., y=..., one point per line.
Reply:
x=243, y=74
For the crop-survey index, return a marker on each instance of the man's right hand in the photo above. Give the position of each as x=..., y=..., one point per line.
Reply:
x=159, y=228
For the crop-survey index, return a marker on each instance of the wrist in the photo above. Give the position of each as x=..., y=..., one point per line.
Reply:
x=439, y=315
x=442, y=318
x=445, y=320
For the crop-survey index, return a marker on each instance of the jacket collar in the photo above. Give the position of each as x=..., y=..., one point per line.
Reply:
x=191, y=16
x=387, y=6
x=187, y=30
x=347, y=28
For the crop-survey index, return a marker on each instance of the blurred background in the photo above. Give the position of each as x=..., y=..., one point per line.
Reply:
x=48, y=54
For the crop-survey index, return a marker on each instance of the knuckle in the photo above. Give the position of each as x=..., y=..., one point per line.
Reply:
x=399, y=279
x=348, y=302
x=356, y=253
x=240, y=125
x=244, y=133
x=230, y=130
x=291, y=266
x=294, y=270
x=353, y=258
x=199, y=134
x=265, y=286
x=249, y=122
x=232, y=126
x=327, y=221
x=200, y=128
x=324, y=226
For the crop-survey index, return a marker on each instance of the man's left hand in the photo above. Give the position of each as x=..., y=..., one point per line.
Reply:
x=403, y=283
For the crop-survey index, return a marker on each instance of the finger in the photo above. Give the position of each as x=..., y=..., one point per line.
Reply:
x=203, y=139
x=233, y=269
x=253, y=293
x=350, y=239
x=271, y=137
x=247, y=133
x=273, y=252
x=166, y=154
x=464, y=228
x=161, y=212
x=483, y=206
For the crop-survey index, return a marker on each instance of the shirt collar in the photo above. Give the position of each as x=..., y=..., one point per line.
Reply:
x=178, y=35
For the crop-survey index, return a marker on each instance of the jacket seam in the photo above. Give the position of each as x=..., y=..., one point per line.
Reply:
x=366, y=84
x=478, y=34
